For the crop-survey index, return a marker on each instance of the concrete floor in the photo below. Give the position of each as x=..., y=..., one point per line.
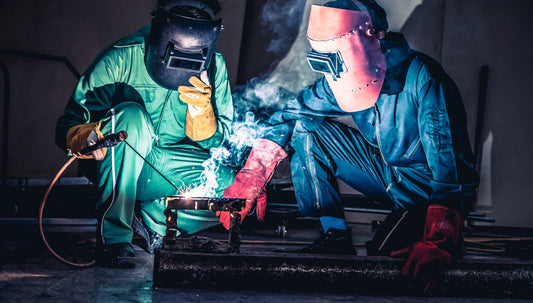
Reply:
x=29, y=273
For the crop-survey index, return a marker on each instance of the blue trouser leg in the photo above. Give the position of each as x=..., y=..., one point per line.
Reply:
x=326, y=150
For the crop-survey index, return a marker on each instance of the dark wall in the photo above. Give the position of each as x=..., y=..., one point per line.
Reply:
x=270, y=28
x=492, y=33
x=76, y=30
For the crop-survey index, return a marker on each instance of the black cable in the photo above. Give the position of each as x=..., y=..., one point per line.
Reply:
x=152, y=166
x=40, y=220
x=108, y=141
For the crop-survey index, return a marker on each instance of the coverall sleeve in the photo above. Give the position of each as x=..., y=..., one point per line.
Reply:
x=312, y=104
x=88, y=104
x=444, y=137
x=223, y=104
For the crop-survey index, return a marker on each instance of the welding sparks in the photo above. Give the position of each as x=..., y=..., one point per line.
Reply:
x=208, y=178
x=243, y=137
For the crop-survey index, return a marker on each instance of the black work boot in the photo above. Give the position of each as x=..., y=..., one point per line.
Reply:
x=152, y=238
x=334, y=241
x=401, y=228
x=118, y=255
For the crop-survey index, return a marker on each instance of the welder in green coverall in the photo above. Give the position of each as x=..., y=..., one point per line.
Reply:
x=168, y=88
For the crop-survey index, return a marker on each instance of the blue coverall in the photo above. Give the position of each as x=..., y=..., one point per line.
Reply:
x=411, y=149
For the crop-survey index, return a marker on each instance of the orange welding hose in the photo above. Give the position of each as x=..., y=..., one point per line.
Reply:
x=40, y=220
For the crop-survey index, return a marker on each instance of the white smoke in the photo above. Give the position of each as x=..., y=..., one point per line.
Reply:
x=265, y=94
x=208, y=178
x=231, y=155
x=260, y=98
x=282, y=18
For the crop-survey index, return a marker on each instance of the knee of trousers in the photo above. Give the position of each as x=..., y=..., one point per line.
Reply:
x=315, y=192
x=131, y=117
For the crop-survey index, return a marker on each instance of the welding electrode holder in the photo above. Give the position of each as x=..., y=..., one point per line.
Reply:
x=107, y=141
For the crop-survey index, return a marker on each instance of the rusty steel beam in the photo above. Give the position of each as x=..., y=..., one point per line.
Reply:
x=363, y=274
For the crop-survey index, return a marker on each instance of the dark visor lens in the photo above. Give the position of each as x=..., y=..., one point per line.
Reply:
x=326, y=63
x=176, y=62
x=189, y=61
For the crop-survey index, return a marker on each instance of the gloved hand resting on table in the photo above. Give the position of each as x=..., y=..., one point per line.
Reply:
x=251, y=180
x=427, y=259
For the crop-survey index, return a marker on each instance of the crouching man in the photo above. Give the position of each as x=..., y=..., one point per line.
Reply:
x=408, y=145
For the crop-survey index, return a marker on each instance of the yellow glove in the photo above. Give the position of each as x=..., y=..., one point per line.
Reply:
x=83, y=135
x=200, y=122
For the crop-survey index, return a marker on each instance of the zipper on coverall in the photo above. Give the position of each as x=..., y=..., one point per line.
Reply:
x=158, y=126
x=309, y=164
x=378, y=121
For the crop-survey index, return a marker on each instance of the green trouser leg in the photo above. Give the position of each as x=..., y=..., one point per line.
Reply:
x=118, y=172
x=124, y=178
x=181, y=164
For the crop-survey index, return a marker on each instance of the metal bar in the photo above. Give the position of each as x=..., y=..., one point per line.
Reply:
x=467, y=277
x=481, y=102
x=5, y=128
x=45, y=57
x=473, y=216
x=234, y=239
x=205, y=203
x=350, y=209
x=5, y=124
x=49, y=221
x=172, y=219
x=232, y=205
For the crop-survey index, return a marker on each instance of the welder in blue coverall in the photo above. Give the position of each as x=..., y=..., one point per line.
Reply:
x=407, y=145
x=168, y=88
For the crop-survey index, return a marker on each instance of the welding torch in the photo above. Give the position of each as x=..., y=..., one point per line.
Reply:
x=107, y=141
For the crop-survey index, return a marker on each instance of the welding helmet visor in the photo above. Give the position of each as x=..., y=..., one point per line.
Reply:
x=345, y=48
x=179, y=47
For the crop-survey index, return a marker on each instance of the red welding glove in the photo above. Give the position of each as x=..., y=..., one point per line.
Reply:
x=427, y=260
x=251, y=180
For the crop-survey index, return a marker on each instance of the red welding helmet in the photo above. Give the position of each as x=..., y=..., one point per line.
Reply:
x=345, y=48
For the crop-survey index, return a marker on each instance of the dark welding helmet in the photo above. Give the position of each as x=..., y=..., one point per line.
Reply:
x=182, y=40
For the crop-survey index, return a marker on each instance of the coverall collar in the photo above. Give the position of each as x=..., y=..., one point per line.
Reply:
x=398, y=55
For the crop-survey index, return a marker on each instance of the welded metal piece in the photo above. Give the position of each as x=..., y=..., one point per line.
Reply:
x=234, y=232
x=205, y=203
x=172, y=240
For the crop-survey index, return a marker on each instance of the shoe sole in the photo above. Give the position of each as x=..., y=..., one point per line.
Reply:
x=123, y=262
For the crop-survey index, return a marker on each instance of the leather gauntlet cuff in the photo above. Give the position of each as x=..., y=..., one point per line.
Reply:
x=203, y=126
x=77, y=138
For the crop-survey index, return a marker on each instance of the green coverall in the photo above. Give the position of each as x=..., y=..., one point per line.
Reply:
x=117, y=90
